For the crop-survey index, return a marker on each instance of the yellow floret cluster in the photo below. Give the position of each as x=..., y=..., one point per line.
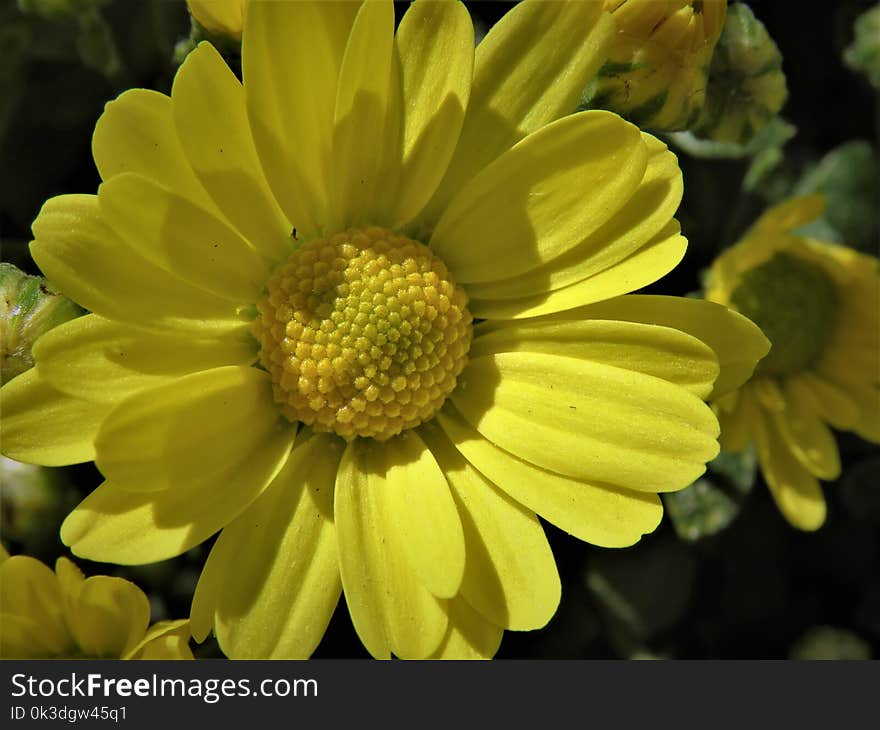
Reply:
x=364, y=333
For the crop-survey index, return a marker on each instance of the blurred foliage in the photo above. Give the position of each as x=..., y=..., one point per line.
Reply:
x=864, y=52
x=711, y=503
x=723, y=576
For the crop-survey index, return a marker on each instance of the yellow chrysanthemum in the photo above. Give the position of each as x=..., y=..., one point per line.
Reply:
x=307, y=254
x=818, y=303
x=64, y=615
x=219, y=17
x=658, y=62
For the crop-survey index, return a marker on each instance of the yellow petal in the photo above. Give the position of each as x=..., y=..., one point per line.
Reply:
x=646, y=265
x=796, y=492
x=469, y=635
x=791, y=214
x=278, y=564
x=223, y=17
x=392, y=611
x=110, y=617
x=71, y=580
x=221, y=150
x=529, y=70
x=41, y=425
x=737, y=422
x=164, y=640
x=104, y=361
x=366, y=121
x=136, y=133
x=420, y=504
x=649, y=208
x=291, y=56
x=180, y=237
x=810, y=440
x=32, y=622
x=435, y=47
x=118, y=525
x=601, y=515
x=738, y=343
x=541, y=198
x=189, y=431
x=89, y=263
x=588, y=420
x=510, y=575
x=645, y=348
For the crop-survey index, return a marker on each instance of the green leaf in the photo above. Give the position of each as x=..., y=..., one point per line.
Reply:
x=711, y=503
x=772, y=136
x=864, y=52
x=849, y=178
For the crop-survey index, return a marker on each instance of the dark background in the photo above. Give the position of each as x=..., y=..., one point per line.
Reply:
x=753, y=590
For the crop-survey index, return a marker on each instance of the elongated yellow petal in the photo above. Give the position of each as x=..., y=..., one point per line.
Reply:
x=279, y=572
x=31, y=611
x=588, y=420
x=41, y=425
x=738, y=343
x=737, y=422
x=810, y=440
x=796, y=492
x=190, y=431
x=649, y=263
x=510, y=575
x=644, y=214
x=392, y=611
x=529, y=70
x=469, y=636
x=104, y=361
x=644, y=348
x=291, y=56
x=541, y=198
x=421, y=505
x=89, y=263
x=602, y=515
x=367, y=118
x=435, y=47
x=136, y=133
x=220, y=149
x=181, y=237
x=110, y=616
x=132, y=528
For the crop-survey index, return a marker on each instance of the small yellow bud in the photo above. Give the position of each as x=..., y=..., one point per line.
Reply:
x=658, y=62
x=219, y=17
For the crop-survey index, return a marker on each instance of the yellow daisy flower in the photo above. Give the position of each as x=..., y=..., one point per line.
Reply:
x=818, y=303
x=658, y=62
x=285, y=276
x=64, y=615
x=219, y=17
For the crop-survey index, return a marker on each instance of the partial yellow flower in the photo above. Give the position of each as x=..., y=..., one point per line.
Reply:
x=818, y=303
x=284, y=348
x=658, y=63
x=219, y=17
x=64, y=615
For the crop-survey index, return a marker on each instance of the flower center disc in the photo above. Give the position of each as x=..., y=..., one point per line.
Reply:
x=364, y=333
x=795, y=303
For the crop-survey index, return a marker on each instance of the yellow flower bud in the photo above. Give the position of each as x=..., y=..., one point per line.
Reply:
x=219, y=17
x=659, y=60
x=747, y=87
